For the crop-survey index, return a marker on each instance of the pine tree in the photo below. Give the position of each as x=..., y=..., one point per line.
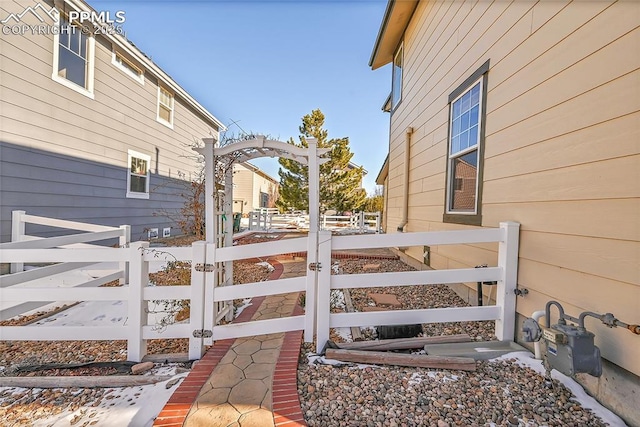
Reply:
x=339, y=183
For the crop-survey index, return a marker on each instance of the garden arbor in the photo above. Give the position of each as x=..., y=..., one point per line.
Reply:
x=219, y=207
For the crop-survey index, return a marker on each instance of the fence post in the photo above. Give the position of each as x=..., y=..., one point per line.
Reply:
x=378, y=226
x=123, y=242
x=138, y=279
x=323, y=289
x=17, y=231
x=505, y=295
x=211, y=281
x=197, y=301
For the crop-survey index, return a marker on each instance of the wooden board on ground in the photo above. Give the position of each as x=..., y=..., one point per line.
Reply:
x=356, y=334
x=403, y=343
x=398, y=359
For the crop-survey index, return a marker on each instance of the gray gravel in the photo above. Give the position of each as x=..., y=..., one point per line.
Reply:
x=499, y=392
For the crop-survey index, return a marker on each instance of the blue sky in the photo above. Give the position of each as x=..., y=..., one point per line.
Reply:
x=265, y=64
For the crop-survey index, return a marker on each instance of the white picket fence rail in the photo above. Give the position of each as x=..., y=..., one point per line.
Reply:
x=317, y=284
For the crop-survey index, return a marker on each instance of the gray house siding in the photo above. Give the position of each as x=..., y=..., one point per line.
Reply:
x=64, y=154
x=59, y=186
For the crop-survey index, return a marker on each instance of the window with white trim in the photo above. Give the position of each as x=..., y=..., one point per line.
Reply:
x=138, y=175
x=465, y=148
x=73, y=57
x=165, y=106
x=464, y=141
x=396, y=85
x=127, y=66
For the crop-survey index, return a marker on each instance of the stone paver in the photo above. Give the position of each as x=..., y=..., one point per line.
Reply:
x=240, y=389
x=385, y=300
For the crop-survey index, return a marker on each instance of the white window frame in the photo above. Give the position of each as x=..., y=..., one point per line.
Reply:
x=396, y=80
x=169, y=124
x=134, y=194
x=119, y=60
x=460, y=153
x=88, y=90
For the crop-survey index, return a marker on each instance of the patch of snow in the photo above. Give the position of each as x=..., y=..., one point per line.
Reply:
x=266, y=264
x=336, y=299
x=245, y=303
x=335, y=267
x=315, y=359
x=526, y=359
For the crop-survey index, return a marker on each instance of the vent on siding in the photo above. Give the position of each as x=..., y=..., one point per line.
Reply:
x=152, y=233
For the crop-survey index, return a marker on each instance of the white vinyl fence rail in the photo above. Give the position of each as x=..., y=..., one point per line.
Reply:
x=21, y=240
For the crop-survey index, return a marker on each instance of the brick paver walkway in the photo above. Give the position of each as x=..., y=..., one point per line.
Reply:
x=246, y=382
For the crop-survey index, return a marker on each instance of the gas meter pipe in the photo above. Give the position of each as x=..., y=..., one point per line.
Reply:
x=608, y=319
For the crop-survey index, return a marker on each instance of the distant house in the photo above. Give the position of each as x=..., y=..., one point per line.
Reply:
x=252, y=188
x=91, y=129
x=530, y=112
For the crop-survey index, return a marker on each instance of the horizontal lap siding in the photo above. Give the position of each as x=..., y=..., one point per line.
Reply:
x=65, y=154
x=562, y=146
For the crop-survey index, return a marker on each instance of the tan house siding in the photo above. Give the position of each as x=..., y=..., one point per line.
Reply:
x=41, y=117
x=248, y=183
x=562, y=147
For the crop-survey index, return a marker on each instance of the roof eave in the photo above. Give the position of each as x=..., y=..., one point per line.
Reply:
x=384, y=171
x=395, y=21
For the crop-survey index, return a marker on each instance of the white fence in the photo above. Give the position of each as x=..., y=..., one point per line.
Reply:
x=360, y=221
x=21, y=240
x=203, y=327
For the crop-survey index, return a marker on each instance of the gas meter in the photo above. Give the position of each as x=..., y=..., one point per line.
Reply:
x=570, y=349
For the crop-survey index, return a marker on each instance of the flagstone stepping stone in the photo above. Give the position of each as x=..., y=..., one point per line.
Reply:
x=371, y=267
x=389, y=300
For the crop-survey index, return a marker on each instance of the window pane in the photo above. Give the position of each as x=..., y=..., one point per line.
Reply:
x=396, y=86
x=464, y=175
x=456, y=110
x=473, y=136
x=466, y=101
x=464, y=140
x=138, y=184
x=165, y=113
x=74, y=42
x=475, y=95
x=456, y=128
x=474, y=116
x=455, y=144
x=71, y=67
x=83, y=46
x=464, y=121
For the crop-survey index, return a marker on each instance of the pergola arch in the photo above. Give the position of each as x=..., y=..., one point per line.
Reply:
x=246, y=150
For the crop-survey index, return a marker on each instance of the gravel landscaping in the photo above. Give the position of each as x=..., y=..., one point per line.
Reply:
x=499, y=392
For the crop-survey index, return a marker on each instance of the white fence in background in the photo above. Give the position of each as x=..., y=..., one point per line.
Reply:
x=203, y=326
x=359, y=222
x=21, y=240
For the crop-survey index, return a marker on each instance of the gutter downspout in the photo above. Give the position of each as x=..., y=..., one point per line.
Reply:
x=405, y=189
